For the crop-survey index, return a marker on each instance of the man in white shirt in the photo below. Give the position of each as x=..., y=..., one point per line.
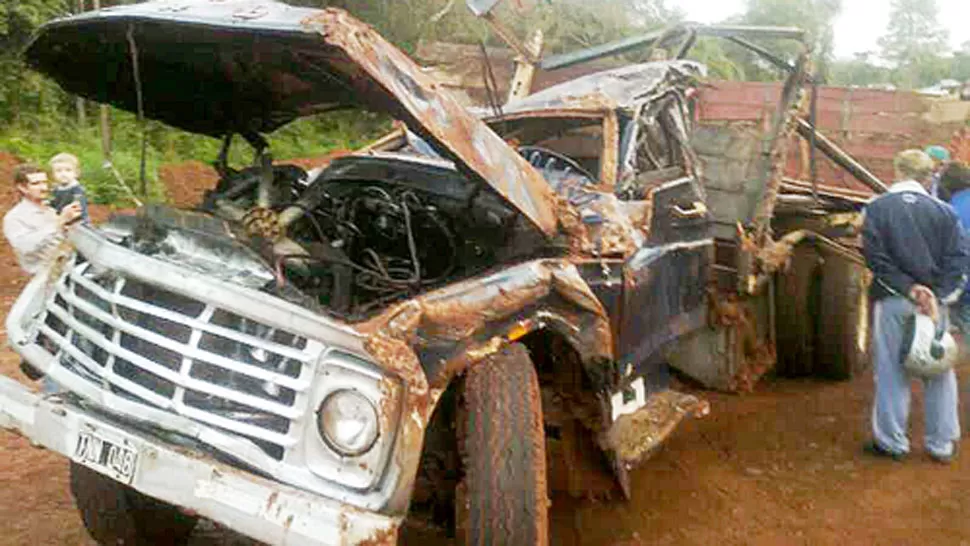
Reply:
x=32, y=228
x=35, y=232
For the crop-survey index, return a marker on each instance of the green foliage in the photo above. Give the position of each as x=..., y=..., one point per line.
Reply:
x=566, y=24
x=720, y=63
x=913, y=31
x=19, y=19
x=960, y=64
x=861, y=71
x=309, y=137
x=574, y=24
x=816, y=17
x=20, y=89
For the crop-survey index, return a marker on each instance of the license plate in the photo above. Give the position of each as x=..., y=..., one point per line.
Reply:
x=106, y=455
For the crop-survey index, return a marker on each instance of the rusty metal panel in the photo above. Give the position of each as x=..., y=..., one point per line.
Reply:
x=735, y=349
x=634, y=437
x=615, y=89
x=437, y=114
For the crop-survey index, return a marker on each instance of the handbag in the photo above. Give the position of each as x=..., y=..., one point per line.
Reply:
x=928, y=347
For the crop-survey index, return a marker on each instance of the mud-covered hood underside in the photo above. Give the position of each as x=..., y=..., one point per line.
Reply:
x=235, y=66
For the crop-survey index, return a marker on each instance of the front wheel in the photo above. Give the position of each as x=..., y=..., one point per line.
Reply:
x=115, y=514
x=504, y=495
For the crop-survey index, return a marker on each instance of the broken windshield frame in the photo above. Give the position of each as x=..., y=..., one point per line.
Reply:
x=539, y=137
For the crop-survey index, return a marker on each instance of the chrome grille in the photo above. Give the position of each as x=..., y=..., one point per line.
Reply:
x=181, y=355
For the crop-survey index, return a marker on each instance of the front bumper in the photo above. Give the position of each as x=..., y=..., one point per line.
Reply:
x=262, y=509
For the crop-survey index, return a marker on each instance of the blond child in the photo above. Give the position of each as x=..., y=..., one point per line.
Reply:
x=66, y=171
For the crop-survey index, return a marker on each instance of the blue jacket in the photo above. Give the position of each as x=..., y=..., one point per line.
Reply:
x=911, y=238
x=62, y=197
x=961, y=203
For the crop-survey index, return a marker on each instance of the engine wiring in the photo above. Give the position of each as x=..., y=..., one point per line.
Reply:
x=357, y=245
x=374, y=231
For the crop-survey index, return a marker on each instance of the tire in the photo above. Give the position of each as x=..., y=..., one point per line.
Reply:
x=505, y=497
x=115, y=514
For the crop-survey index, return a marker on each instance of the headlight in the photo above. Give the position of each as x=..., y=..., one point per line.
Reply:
x=348, y=422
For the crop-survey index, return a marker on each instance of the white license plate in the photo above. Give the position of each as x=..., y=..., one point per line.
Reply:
x=106, y=455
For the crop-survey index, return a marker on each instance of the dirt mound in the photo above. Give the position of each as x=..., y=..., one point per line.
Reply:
x=10, y=272
x=314, y=162
x=186, y=182
x=8, y=194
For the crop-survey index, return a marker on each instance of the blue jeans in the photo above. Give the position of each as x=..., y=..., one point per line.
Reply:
x=890, y=412
x=960, y=314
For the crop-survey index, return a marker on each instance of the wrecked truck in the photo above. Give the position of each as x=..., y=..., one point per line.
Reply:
x=451, y=321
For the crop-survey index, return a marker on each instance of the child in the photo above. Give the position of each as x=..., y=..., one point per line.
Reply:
x=67, y=189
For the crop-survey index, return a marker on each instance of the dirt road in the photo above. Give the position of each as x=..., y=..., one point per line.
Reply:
x=779, y=466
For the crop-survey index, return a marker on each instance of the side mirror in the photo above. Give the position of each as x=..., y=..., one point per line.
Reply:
x=528, y=52
x=481, y=7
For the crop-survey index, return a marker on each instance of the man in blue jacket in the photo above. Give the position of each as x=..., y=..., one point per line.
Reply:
x=913, y=243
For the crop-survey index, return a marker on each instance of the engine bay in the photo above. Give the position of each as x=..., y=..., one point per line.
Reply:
x=348, y=241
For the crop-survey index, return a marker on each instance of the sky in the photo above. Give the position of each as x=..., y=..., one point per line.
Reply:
x=858, y=26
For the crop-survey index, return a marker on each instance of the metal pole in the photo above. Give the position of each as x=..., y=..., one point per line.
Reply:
x=82, y=115
x=776, y=149
x=814, y=165
x=136, y=72
x=104, y=114
x=525, y=70
x=842, y=159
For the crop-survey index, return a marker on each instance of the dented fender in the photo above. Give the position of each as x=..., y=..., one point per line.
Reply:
x=429, y=340
x=447, y=330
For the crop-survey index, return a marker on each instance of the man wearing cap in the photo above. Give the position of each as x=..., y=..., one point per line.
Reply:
x=914, y=246
x=33, y=229
x=940, y=157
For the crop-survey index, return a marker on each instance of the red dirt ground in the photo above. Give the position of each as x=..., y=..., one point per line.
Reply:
x=187, y=181
x=779, y=466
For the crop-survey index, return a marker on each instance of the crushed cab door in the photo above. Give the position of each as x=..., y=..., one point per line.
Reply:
x=665, y=281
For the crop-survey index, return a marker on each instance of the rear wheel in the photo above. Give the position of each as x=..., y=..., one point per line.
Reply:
x=503, y=500
x=115, y=514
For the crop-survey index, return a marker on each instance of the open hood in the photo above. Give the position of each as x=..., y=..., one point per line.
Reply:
x=242, y=66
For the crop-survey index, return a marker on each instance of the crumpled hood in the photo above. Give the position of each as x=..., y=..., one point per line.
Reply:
x=244, y=66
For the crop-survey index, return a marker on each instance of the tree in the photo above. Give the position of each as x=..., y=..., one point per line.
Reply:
x=566, y=24
x=862, y=70
x=816, y=17
x=913, y=40
x=721, y=64
x=960, y=66
x=22, y=89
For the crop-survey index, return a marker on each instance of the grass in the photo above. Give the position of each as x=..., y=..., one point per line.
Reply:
x=308, y=137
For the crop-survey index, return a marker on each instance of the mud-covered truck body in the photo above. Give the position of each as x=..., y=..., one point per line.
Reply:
x=446, y=322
